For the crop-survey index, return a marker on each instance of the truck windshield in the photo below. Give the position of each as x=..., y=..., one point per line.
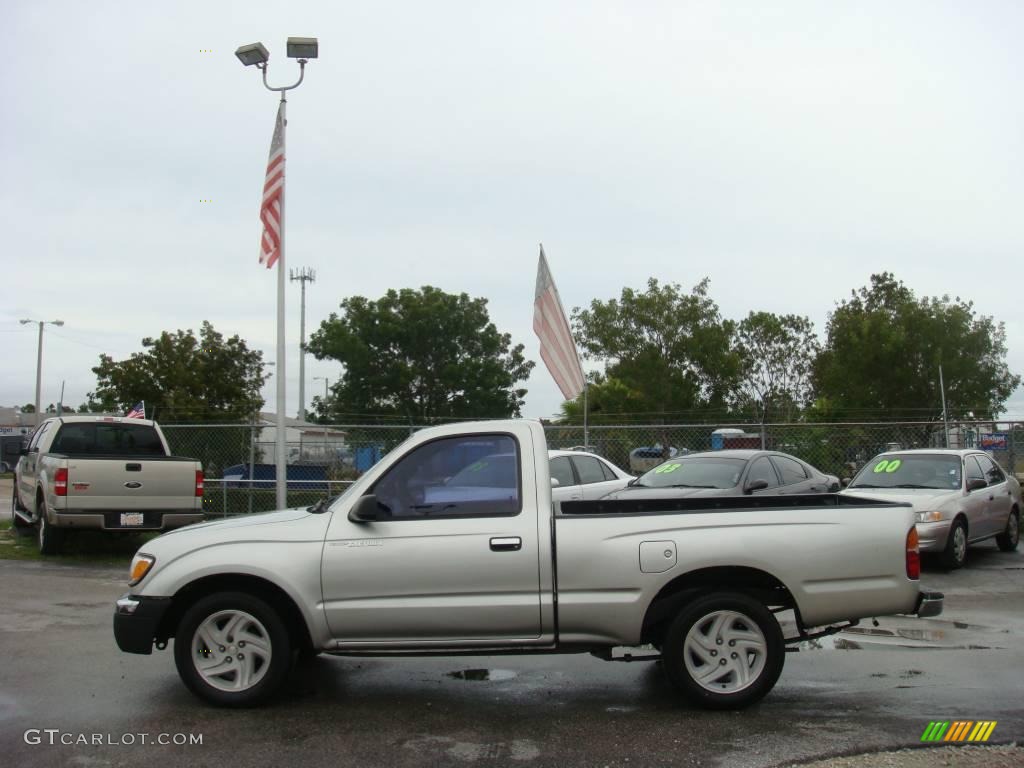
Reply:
x=910, y=470
x=694, y=472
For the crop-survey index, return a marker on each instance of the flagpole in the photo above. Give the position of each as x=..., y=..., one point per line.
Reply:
x=302, y=49
x=280, y=452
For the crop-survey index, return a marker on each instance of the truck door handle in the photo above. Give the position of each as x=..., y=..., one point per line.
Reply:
x=506, y=544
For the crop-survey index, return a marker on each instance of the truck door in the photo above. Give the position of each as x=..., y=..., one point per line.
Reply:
x=454, y=555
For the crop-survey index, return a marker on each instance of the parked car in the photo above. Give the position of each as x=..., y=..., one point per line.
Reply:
x=729, y=473
x=576, y=475
x=648, y=456
x=496, y=567
x=961, y=497
x=114, y=474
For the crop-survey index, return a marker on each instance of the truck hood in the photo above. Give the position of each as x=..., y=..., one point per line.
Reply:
x=921, y=499
x=284, y=525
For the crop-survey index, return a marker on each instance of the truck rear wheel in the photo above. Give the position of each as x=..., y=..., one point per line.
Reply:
x=724, y=650
x=50, y=538
x=232, y=649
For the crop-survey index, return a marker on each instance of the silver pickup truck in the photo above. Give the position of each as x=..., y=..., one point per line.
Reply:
x=105, y=472
x=446, y=547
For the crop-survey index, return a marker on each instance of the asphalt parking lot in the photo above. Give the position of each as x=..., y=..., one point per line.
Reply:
x=63, y=679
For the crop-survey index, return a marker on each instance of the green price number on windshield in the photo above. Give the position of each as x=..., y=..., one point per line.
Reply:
x=887, y=466
x=667, y=468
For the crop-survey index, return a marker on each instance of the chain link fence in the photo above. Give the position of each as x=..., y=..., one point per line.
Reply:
x=238, y=460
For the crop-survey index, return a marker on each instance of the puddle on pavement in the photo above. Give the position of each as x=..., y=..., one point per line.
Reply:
x=483, y=674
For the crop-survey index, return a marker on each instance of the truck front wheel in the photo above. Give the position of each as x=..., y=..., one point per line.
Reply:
x=724, y=650
x=232, y=649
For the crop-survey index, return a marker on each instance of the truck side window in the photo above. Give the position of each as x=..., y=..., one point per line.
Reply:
x=34, y=443
x=469, y=476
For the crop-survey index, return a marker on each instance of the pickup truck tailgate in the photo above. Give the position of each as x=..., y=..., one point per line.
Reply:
x=130, y=484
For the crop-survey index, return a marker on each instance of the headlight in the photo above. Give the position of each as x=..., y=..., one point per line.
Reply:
x=929, y=517
x=139, y=568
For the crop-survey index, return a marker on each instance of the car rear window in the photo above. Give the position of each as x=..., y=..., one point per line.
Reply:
x=102, y=439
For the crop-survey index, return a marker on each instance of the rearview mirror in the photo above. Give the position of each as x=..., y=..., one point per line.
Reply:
x=975, y=484
x=365, y=510
x=755, y=485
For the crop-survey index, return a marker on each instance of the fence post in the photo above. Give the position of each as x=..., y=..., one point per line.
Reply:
x=224, y=497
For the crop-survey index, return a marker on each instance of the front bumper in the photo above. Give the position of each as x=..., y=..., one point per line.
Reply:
x=136, y=619
x=932, y=536
x=928, y=604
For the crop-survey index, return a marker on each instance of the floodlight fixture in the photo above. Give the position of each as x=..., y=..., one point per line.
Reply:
x=254, y=53
x=303, y=48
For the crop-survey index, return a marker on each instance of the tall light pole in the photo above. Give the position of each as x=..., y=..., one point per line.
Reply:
x=39, y=359
x=303, y=49
x=303, y=276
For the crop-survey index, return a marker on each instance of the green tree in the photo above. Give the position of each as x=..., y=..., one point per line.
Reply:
x=419, y=355
x=778, y=354
x=884, y=347
x=185, y=379
x=666, y=352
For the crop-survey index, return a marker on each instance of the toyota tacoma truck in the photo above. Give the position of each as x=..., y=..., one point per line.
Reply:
x=110, y=473
x=448, y=547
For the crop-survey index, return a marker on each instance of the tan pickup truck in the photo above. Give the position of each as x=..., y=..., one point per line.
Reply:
x=114, y=474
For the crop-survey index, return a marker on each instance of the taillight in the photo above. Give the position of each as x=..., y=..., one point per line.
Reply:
x=60, y=482
x=199, y=482
x=913, y=555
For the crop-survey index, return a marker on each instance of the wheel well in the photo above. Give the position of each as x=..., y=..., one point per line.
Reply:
x=236, y=582
x=758, y=584
x=963, y=519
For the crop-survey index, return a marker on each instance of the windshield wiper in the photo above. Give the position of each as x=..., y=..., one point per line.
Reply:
x=685, y=485
x=914, y=485
x=865, y=485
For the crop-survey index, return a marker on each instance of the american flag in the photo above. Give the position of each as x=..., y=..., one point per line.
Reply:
x=138, y=411
x=557, y=349
x=273, y=196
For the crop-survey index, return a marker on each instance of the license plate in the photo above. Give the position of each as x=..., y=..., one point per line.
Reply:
x=132, y=518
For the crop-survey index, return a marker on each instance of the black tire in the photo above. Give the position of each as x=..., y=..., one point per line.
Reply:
x=50, y=538
x=1008, y=539
x=263, y=625
x=17, y=520
x=742, y=616
x=955, y=554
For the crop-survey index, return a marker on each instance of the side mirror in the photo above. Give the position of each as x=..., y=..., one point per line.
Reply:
x=554, y=482
x=845, y=482
x=365, y=510
x=976, y=484
x=755, y=485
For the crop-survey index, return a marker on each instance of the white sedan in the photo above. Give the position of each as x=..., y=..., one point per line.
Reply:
x=578, y=476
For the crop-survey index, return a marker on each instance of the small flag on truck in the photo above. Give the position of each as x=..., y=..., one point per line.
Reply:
x=138, y=411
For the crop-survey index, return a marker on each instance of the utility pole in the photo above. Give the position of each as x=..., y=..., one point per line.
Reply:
x=304, y=276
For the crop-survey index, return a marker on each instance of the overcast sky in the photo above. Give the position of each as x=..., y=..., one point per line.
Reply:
x=786, y=150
